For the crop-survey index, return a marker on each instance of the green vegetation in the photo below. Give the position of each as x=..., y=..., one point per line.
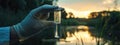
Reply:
x=107, y=25
x=70, y=22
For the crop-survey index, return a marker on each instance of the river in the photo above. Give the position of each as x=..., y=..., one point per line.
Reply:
x=78, y=36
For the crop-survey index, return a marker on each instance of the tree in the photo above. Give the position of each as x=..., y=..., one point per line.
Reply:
x=71, y=15
x=64, y=14
x=107, y=26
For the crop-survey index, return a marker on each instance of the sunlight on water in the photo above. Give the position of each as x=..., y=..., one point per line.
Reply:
x=79, y=37
x=83, y=27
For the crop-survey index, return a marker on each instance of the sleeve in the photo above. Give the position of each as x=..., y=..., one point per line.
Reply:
x=4, y=35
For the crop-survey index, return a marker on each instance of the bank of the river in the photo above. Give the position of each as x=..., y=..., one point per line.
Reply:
x=80, y=37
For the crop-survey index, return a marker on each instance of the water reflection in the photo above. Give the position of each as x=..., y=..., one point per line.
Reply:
x=81, y=34
x=78, y=35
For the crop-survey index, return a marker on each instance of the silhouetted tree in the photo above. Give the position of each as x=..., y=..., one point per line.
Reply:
x=64, y=14
x=71, y=15
x=107, y=26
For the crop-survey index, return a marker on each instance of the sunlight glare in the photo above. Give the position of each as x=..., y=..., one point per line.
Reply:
x=85, y=35
x=78, y=14
x=83, y=27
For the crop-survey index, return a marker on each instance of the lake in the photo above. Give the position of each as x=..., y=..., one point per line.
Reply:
x=79, y=35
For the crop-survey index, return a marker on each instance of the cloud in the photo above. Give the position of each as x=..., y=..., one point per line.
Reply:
x=108, y=1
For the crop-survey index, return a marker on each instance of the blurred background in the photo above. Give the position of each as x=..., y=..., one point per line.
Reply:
x=84, y=22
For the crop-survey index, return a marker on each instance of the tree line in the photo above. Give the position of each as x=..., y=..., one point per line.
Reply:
x=106, y=25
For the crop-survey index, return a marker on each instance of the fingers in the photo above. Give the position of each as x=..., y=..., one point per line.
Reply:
x=59, y=9
x=48, y=8
x=45, y=9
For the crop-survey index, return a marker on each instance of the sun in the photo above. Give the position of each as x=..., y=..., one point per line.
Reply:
x=86, y=13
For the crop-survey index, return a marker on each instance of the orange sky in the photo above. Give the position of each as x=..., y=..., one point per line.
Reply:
x=81, y=14
x=81, y=8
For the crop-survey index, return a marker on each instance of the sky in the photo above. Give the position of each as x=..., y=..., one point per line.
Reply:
x=81, y=8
